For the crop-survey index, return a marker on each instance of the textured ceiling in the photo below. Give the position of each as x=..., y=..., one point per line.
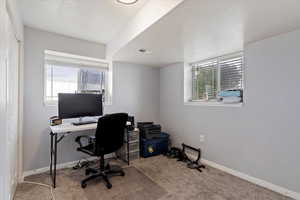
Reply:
x=200, y=29
x=94, y=20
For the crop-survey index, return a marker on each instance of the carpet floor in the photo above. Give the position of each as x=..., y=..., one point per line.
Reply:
x=155, y=178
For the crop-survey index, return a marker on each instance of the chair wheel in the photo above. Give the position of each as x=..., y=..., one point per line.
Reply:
x=87, y=172
x=83, y=185
x=122, y=173
x=109, y=185
x=107, y=167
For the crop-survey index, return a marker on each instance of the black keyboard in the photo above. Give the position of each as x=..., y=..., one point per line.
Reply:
x=83, y=123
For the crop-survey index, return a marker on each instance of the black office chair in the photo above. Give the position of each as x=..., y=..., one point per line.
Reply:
x=109, y=138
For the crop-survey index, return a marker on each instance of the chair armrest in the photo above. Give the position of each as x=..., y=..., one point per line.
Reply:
x=78, y=139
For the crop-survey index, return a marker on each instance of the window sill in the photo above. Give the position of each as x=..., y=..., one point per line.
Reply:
x=213, y=103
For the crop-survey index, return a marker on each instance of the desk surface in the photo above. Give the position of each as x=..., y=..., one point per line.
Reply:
x=69, y=127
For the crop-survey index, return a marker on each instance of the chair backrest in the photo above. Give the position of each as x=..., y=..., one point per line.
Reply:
x=110, y=133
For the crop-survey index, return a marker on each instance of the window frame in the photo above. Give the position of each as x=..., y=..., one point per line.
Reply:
x=108, y=77
x=214, y=102
x=218, y=79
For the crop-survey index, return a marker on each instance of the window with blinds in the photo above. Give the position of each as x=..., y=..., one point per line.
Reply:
x=212, y=76
x=205, y=80
x=231, y=72
x=66, y=73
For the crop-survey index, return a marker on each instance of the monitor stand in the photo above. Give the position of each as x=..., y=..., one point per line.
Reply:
x=82, y=122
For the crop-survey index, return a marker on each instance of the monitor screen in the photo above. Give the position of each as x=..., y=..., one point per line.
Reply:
x=79, y=105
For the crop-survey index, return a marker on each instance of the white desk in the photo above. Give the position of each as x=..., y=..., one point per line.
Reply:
x=69, y=128
x=57, y=133
x=63, y=130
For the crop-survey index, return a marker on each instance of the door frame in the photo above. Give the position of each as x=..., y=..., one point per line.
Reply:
x=18, y=34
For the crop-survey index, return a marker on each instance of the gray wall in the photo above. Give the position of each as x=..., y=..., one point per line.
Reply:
x=135, y=90
x=261, y=138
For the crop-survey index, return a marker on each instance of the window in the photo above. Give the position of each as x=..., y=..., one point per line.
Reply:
x=66, y=73
x=204, y=77
x=215, y=75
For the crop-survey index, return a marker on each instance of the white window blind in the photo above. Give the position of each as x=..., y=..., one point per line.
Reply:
x=212, y=76
x=66, y=73
x=65, y=59
x=231, y=72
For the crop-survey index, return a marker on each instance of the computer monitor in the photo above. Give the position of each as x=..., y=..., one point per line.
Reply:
x=79, y=105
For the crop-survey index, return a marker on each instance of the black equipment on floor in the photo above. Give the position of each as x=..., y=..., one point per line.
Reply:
x=152, y=141
x=149, y=130
x=185, y=154
x=108, y=139
x=174, y=152
x=156, y=146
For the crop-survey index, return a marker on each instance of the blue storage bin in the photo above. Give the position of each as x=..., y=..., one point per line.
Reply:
x=155, y=146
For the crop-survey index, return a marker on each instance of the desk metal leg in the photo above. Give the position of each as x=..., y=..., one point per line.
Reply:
x=53, y=158
x=128, y=156
x=51, y=153
x=128, y=161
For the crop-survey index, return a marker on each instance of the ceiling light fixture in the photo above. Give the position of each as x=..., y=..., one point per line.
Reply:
x=127, y=2
x=145, y=51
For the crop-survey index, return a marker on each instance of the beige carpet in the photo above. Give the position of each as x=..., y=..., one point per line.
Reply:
x=156, y=178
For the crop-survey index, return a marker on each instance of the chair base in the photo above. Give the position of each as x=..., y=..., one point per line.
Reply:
x=105, y=174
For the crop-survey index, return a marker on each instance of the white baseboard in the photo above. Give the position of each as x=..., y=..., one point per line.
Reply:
x=254, y=180
x=58, y=166
x=14, y=187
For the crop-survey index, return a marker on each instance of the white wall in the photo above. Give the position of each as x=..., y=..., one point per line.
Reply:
x=261, y=138
x=36, y=143
x=135, y=90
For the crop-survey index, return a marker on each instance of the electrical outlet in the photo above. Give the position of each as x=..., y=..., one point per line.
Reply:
x=202, y=138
